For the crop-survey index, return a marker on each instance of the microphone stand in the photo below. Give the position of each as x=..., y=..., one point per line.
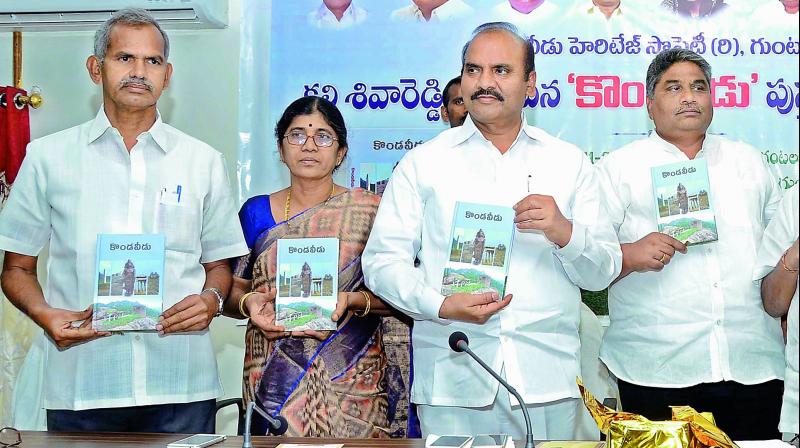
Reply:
x=277, y=425
x=462, y=344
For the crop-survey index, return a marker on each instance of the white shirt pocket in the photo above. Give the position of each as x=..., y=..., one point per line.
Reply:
x=179, y=222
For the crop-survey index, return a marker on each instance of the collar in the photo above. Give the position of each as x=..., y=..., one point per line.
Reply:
x=710, y=142
x=100, y=125
x=592, y=9
x=468, y=129
x=324, y=12
x=440, y=12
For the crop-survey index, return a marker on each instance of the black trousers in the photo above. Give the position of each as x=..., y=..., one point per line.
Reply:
x=181, y=418
x=743, y=412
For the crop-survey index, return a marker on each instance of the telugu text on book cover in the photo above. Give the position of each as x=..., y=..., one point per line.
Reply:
x=307, y=283
x=480, y=249
x=683, y=201
x=130, y=282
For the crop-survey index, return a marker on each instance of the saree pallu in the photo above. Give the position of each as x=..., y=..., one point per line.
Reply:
x=356, y=383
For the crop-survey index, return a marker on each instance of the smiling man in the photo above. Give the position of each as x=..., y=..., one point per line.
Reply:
x=524, y=11
x=562, y=244
x=123, y=172
x=687, y=324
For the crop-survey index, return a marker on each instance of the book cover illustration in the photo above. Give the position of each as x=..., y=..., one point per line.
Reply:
x=480, y=249
x=684, y=208
x=374, y=177
x=130, y=282
x=308, y=283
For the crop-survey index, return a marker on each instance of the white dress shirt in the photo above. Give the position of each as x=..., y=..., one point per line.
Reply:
x=700, y=319
x=535, y=339
x=781, y=233
x=80, y=182
x=452, y=9
x=322, y=17
x=546, y=11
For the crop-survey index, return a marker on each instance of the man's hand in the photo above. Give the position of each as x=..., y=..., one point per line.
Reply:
x=650, y=253
x=193, y=313
x=540, y=212
x=474, y=308
x=58, y=324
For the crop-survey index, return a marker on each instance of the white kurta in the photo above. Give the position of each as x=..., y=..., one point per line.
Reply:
x=700, y=319
x=81, y=182
x=535, y=339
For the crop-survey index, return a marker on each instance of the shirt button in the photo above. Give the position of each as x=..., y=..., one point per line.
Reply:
x=710, y=250
x=138, y=338
x=716, y=285
x=718, y=322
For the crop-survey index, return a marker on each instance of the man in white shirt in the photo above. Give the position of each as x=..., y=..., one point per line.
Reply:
x=607, y=9
x=453, y=109
x=432, y=10
x=337, y=14
x=524, y=11
x=687, y=325
x=777, y=268
x=114, y=174
x=562, y=244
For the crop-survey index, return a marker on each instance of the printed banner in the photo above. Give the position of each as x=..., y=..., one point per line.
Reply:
x=385, y=63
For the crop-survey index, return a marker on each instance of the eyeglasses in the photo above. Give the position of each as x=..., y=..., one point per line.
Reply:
x=321, y=139
x=10, y=437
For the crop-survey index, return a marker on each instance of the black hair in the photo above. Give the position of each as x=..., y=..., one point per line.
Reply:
x=530, y=56
x=307, y=105
x=446, y=92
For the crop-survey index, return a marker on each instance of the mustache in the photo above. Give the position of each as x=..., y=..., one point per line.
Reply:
x=491, y=92
x=689, y=108
x=136, y=80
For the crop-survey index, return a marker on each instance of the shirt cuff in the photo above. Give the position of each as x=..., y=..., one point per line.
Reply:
x=224, y=253
x=575, y=246
x=430, y=302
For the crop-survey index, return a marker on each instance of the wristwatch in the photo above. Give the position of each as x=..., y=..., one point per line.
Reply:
x=220, y=299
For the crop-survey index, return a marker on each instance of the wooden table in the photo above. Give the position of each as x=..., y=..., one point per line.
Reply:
x=34, y=439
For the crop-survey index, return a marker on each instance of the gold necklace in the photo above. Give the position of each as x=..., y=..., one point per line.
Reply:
x=289, y=201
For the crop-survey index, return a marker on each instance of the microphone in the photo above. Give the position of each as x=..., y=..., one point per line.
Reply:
x=277, y=425
x=459, y=342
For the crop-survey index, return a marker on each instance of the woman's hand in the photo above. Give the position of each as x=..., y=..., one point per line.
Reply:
x=343, y=304
x=261, y=307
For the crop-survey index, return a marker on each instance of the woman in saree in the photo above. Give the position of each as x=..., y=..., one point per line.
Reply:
x=350, y=383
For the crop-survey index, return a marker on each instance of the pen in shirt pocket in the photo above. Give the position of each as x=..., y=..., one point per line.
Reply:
x=530, y=180
x=178, y=193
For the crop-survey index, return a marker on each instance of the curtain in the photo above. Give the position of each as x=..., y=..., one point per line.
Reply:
x=16, y=329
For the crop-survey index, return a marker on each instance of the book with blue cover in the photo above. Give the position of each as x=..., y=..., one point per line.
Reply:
x=307, y=283
x=480, y=249
x=129, y=287
x=683, y=201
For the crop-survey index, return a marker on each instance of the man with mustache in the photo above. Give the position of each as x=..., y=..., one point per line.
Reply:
x=123, y=172
x=687, y=324
x=562, y=243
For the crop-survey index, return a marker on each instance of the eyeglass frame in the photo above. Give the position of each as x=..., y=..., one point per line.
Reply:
x=313, y=138
x=14, y=431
